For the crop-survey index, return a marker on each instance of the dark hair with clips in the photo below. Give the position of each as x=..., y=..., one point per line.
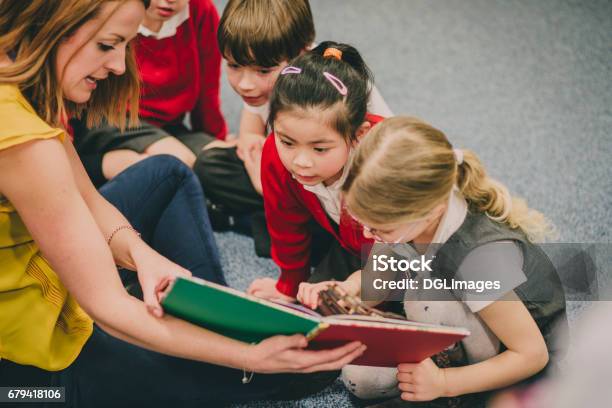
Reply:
x=332, y=78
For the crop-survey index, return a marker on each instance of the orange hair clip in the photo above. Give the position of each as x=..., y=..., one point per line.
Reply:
x=332, y=53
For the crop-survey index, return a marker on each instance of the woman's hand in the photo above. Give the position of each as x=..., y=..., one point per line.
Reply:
x=423, y=381
x=155, y=273
x=283, y=354
x=308, y=293
x=265, y=288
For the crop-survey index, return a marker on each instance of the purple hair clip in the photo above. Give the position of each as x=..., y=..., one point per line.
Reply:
x=290, y=69
x=337, y=83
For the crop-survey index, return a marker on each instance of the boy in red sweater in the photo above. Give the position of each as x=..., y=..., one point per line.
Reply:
x=179, y=63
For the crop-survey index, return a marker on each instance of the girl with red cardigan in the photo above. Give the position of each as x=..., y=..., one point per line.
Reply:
x=317, y=114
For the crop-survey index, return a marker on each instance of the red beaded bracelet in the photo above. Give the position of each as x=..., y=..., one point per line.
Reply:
x=119, y=228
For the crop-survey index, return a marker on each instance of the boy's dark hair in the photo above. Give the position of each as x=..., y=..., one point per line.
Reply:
x=265, y=32
x=311, y=89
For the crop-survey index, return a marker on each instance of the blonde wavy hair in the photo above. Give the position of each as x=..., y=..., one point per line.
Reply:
x=31, y=32
x=405, y=167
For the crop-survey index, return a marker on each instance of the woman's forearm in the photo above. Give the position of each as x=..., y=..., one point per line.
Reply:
x=106, y=216
x=124, y=241
x=502, y=370
x=68, y=235
x=129, y=320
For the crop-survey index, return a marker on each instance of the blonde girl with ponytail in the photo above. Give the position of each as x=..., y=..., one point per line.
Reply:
x=415, y=167
x=407, y=184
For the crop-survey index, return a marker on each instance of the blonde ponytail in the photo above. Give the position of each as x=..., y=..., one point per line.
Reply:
x=487, y=195
x=405, y=167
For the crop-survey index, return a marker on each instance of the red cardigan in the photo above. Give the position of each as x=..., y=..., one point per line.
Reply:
x=289, y=208
x=181, y=73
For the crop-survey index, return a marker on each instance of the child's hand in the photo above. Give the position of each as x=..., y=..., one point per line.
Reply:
x=423, y=381
x=252, y=164
x=308, y=293
x=246, y=141
x=221, y=144
x=265, y=288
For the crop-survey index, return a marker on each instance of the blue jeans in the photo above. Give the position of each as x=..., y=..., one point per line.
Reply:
x=162, y=199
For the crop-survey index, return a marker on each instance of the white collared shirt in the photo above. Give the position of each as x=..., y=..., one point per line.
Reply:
x=169, y=27
x=329, y=196
x=454, y=216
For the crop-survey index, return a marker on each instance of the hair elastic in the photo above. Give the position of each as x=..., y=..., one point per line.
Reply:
x=332, y=52
x=337, y=83
x=458, y=156
x=290, y=69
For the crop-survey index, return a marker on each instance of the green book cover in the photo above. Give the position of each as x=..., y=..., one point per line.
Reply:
x=233, y=313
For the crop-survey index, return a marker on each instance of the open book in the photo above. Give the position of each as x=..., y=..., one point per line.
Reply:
x=243, y=317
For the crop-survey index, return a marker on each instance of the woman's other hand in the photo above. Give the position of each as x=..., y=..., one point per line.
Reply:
x=281, y=354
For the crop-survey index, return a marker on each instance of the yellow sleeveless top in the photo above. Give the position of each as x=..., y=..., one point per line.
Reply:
x=41, y=324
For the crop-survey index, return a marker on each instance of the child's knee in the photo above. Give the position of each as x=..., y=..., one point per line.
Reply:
x=115, y=161
x=174, y=147
x=370, y=382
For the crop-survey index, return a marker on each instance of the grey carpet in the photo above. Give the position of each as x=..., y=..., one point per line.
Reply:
x=525, y=84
